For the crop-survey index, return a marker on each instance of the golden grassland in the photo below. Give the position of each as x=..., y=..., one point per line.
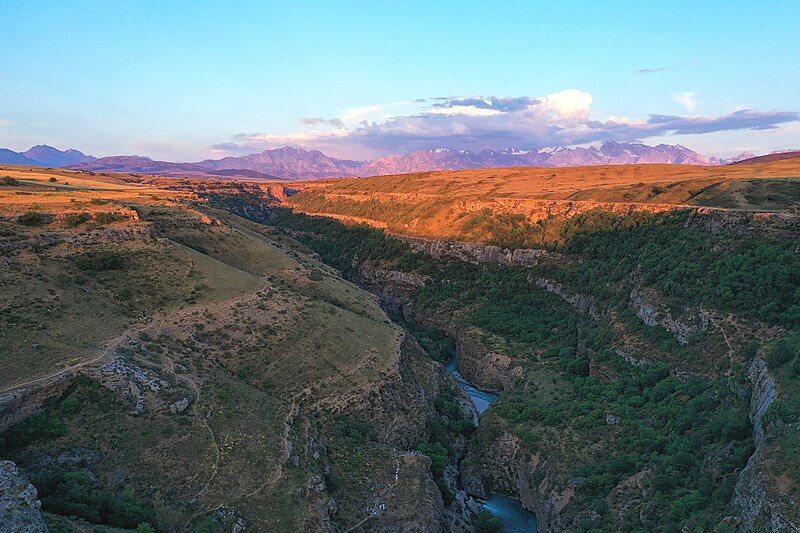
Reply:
x=458, y=205
x=550, y=183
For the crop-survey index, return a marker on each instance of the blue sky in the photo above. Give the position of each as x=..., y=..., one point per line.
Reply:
x=189, y=80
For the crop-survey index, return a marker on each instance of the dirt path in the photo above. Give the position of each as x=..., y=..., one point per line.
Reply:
x=273, y=479
x=112, y=345
x=115, y=342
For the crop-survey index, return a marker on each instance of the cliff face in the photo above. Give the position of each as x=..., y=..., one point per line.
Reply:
x=648, y=307
x=759, y=504
x=394, y=288
x=478, y=363
x=19, y=504
x=757, y=224
x=487, y=369
x=439, y=222
x=399, y=405
x=508, y=466
x=581, y=302
x=418, y=506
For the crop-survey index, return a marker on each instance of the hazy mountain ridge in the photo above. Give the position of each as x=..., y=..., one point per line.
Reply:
x=10, y=157
x=287, y=163
x=53, y=157
x=45, y=156
x=298, y=163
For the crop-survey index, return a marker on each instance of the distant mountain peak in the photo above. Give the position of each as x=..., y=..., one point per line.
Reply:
x=48, y=156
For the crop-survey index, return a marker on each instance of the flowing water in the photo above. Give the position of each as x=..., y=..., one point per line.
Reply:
x=515, y=518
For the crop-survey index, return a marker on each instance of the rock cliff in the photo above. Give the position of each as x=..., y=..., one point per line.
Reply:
x=20, y=509
x=759, y=504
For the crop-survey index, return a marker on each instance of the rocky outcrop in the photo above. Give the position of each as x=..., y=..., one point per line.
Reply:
x=758, y=509
x=580, y=302
x=648, y=306
x=487, y=369
x=20, y=509
x=393, y=287
x=131, y=381
x=180, y=406
x=477, y=253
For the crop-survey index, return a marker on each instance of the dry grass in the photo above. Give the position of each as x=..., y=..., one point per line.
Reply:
x=545, y=183
x=455, y=204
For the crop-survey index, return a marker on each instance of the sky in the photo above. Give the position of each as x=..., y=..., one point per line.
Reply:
x=184, y=81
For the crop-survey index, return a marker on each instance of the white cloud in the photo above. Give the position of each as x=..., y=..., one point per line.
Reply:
x=5, y=122
x=687, y=100
x=357, y=114
x=569, y=103
x=563, y=118
x=465, y=110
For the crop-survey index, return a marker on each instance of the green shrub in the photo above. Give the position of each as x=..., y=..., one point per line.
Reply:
x=351, y=432
x=101, y=261
x=75, y=494
x=33, y=218
x=8, y=180
x=41, y=426
x=73, y=220
x=438, y=455
x=783, y=350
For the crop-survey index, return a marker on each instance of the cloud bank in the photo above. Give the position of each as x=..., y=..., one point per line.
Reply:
x=560, y=119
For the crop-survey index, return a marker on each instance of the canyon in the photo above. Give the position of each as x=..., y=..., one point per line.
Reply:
x=346, y=355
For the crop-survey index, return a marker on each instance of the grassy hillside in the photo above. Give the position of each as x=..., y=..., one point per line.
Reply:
x=213, y=359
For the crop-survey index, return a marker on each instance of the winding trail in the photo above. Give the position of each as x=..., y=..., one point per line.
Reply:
x=114, y=342
x=106, y=353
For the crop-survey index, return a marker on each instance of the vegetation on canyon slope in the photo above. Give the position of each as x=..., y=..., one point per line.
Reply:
x=688, y=435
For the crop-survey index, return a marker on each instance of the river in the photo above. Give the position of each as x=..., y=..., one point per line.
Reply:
x=515, y=518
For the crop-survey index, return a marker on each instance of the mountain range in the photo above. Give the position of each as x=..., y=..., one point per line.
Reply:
x=298, y=163
x=42, y=155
